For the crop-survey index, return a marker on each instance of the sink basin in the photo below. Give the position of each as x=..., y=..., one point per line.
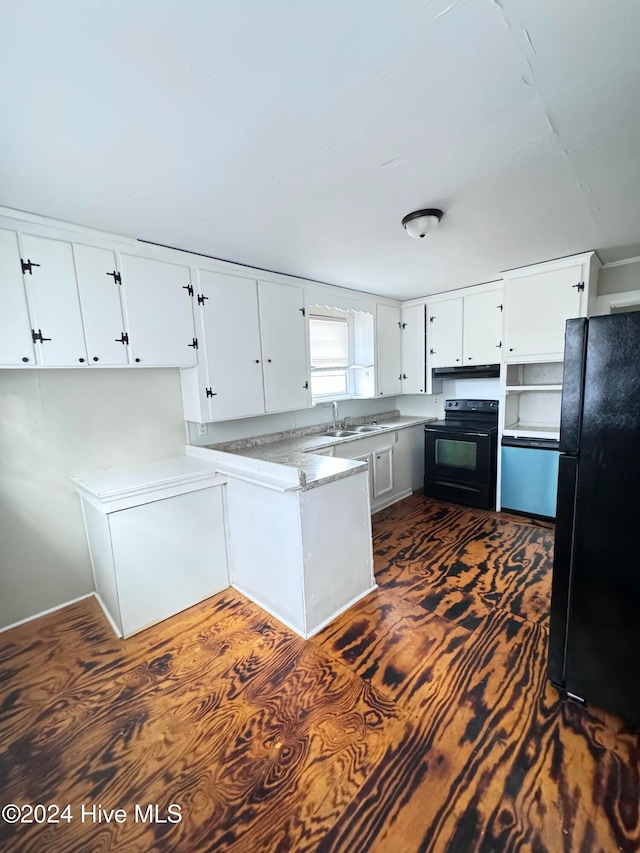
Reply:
x=366, y=428
x=340, y=433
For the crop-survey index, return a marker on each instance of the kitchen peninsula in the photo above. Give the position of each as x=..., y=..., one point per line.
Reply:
x=298, y=520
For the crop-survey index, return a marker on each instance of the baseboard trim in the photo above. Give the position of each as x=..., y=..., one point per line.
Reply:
x=292, y=627
x=268, y=610
x=341, y=611
x=392, y=500
x=108, y=616
x=45, y=612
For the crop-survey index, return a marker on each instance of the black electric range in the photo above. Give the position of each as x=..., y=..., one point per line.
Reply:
x=461, y=453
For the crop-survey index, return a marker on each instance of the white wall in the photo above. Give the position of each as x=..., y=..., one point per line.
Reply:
x=54, y=423
x=619, y=279
x=266, y=424
x=452, y=389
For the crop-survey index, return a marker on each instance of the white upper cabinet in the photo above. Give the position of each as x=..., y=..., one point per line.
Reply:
x=231, y=328
x=389, y=349
x=482, y=328
x=16, y=344
x=445, y=333
x=52, y=293
x=253, y=350
x=158, y=305
x=538, y=302
x=284, y=347
x=99, y=288
x=413, y=350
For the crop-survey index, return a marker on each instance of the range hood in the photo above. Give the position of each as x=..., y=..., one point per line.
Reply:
x=471, y=371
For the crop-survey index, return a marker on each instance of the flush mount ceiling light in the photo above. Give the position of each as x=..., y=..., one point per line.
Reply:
x=422, y=222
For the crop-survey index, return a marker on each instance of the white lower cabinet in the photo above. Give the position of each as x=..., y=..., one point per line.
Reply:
x=303, y=556
x=390, y=456
x=156, y=536
x=382, y=472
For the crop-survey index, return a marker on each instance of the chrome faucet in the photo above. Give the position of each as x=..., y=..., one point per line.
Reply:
x=345, y=421
x=334, y=406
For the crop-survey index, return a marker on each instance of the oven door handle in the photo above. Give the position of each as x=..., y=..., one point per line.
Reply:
x=452, y=435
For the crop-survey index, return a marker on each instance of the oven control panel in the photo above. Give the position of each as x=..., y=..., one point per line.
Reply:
x=490, y=406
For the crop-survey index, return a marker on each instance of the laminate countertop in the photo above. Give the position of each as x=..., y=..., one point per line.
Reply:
x=295, y=448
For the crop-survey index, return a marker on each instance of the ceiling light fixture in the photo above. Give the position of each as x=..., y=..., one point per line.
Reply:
x=422, y=222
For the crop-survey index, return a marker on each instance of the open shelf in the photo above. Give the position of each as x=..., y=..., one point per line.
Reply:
x=519, y=389
x=527, y=430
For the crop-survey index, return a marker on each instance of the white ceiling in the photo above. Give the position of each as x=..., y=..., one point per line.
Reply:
x=294, y=135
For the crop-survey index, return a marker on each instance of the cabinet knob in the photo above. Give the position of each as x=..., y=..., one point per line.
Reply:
x=468, y=358
x=457, y=359
x=432, y=352
x=510, y=349
x=404, y=376
x=25, y=358
x=269, y=360
x=81, y=359
x=95, y=358
x=257, y=361
x=137, y=360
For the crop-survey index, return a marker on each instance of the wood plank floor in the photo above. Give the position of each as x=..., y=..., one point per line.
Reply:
x=421, y=720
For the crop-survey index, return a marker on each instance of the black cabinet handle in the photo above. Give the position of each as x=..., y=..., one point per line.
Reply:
x=257, y=361
x=95, y=358
x=404, y=376
x=269, y=360
x=25, y=358
x=432, y=352
x=306, y=386
x=137, y=360
x=81, y=359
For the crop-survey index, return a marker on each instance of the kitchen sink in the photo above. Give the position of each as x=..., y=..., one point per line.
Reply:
x=340, y=433
x=366, y=428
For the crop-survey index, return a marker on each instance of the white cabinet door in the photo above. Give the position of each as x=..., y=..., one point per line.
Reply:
x=482, y=328
x=538, y=307
x=159, y=312
x=231, y=345
x=413, y=350
x=54, y=306
x=284, y=347
x=445, y=333
x=98, y=284
x=16, y=345
x=389, y=349
x=382, y=471
x=169, y=555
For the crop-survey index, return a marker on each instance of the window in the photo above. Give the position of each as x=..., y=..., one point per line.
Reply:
x=329, y=344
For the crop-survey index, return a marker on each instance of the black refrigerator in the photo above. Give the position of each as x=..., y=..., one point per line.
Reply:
x=594, y=639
